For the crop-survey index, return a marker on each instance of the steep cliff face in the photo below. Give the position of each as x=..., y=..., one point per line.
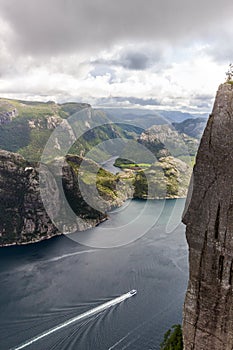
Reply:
x=23, y=218
x=208, y=309
x=22, y=215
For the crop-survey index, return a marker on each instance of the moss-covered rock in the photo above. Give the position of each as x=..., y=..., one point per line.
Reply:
x=167, y=178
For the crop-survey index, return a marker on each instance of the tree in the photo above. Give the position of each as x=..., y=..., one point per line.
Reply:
x=173, y=339
x=229, y=73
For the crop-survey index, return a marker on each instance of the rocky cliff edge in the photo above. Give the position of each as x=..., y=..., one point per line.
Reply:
x=208, y=309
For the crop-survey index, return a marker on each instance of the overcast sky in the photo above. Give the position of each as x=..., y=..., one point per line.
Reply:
x=145, y=53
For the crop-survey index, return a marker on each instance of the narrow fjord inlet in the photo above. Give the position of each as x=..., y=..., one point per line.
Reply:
x=116, y=175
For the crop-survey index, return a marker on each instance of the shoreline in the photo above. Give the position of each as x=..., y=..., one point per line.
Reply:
x=46, y=237
x=64, y=234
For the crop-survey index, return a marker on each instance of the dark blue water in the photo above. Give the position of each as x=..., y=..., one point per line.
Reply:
x=45, y=284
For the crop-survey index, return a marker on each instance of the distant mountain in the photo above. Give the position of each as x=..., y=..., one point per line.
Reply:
x=159, y=138
x=167, y=173
x=176, y=116
x=25, y=128
x=191, y=127
x=142, y=118
x=145, y=118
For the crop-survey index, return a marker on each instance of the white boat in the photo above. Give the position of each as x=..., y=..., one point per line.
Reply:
x=133, y=292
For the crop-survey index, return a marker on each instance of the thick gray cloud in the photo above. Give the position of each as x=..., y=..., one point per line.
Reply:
x=221, y=50
x=140, y=58
x=92, y=49
x=135, y=60
x=59, y=26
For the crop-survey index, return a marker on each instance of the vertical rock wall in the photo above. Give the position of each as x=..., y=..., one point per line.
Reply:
x=208, y=309
x=23, y=218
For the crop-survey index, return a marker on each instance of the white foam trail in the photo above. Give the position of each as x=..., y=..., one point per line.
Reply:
x=71, y=254
x=119, y=341
x=75, y=319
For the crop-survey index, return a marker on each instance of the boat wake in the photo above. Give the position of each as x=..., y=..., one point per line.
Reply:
x=70, y=254
x=77, y=318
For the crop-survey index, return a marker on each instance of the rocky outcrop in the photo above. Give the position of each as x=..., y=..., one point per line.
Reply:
x=193, y=127
x=23, y=218
x=167, y=178
x=153, y=139
x=7, y=116
x=208, y=309
x=165, y=140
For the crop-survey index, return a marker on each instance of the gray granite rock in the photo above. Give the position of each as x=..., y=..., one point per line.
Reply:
x=23, y=218
x=208, y=309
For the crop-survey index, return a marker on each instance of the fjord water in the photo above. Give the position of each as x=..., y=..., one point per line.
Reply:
x=45, y=284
